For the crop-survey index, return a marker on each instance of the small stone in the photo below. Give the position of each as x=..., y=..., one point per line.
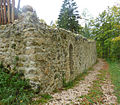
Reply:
x=27, y=8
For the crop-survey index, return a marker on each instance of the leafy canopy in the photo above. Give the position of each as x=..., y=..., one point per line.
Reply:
x=105, y=28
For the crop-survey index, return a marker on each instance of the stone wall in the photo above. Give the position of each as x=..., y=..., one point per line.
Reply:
x=45, y=55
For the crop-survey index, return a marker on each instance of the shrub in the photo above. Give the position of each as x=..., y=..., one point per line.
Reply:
x=115, y=49
x=14, y=89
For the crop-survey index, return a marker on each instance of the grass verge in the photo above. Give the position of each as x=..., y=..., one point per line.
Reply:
x=114, y=69
x=80, y=77
x=41, y=99
x=71, y=84
x=95, y=93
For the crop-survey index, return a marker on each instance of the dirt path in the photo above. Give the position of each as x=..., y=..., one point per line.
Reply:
x=70, y=96
x=107, y=88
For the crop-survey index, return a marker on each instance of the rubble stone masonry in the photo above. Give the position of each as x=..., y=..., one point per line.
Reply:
x=44, y=54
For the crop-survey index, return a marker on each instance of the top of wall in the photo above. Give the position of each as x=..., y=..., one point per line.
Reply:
x=28, y=21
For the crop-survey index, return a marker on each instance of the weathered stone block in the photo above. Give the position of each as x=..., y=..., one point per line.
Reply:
x=46, y=55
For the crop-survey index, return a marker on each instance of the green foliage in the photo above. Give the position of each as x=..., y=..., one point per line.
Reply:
x=68, y=17
x=46, y=96
x=14, y=90
x=115, y=49
x=104, y=29
x=42, y=99
x=114, y=69
x=86, y=31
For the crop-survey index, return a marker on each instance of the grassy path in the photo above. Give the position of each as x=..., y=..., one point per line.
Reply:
x=96, y=88
x=102, y=90
x=108, y=88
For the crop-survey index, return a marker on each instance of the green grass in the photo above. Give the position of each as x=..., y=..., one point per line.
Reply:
x=14, y=89
x=80, y=77
x=44, y=98
x=71, y=84
x=95, y=93
x=114, y=69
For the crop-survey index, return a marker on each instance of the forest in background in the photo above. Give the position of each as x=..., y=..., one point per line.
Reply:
x=104, y=29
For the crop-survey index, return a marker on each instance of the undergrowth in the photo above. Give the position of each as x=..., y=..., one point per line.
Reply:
x=71, y=84
x=42, y=99
x=114, y=69
x=14, y=90
x=80, y=77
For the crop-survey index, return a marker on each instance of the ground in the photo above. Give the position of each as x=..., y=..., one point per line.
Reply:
x=96, y=88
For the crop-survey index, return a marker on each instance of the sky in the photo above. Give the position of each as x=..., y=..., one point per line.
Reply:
x=49, y=10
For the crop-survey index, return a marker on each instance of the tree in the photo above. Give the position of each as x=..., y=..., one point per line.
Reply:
x=86, y=31
x=68, y=17
x=105, y=28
